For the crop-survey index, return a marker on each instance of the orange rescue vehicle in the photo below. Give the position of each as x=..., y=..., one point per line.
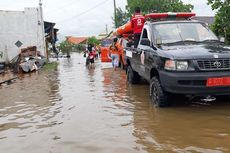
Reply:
x=105, y=57
x=123, y=31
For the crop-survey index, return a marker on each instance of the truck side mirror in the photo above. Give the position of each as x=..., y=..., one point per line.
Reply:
x=145, y=41
x=158, y=41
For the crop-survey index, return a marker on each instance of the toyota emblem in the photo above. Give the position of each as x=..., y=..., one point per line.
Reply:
x=217, y=64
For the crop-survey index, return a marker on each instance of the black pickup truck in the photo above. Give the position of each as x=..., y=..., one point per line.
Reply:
x=179, y=57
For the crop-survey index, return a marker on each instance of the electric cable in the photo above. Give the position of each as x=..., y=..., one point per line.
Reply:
x=86, y=11
x=60, y=8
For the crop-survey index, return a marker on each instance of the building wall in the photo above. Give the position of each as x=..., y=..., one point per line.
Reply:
x=24, y=26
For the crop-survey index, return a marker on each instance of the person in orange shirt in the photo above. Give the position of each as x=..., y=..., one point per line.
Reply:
x=137, y=23
x=114, y=50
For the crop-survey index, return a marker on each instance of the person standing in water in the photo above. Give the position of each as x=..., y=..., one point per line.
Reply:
x=114, y=50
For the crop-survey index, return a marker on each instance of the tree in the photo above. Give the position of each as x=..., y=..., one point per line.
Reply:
x=78, y=47
x=66, y=47
x=149, y=6
x=121, y=17
x=221, y=25
x=159, y=6
x=93, y=40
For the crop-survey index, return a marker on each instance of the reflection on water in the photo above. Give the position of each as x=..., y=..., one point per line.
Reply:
x=30, y=102
x=75, y=109
x=194, y=127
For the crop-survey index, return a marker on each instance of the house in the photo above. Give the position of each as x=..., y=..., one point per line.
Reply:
x=77, y=40
x=103, y=36
x=20, y=29
x=50, y=36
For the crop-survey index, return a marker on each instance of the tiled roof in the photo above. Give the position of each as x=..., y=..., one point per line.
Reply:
x=76, y=40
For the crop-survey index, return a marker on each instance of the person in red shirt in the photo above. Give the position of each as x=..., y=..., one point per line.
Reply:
x=137, y=23
x=91, y=55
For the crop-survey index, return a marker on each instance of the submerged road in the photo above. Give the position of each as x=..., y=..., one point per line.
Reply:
x=80, y=110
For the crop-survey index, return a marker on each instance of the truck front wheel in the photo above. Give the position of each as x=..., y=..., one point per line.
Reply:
x=158, y=96
x=132, y=76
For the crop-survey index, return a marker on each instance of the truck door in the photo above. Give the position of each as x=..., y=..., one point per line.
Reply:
x=145, y=48
x=136, y=59
x=150, y=60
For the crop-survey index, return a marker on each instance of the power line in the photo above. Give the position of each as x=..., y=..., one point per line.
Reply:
x=86, y=11
x=60, y=8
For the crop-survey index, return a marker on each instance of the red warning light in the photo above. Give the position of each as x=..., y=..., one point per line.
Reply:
x=167, y=15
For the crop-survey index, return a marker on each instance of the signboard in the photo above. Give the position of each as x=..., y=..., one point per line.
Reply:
x=18, y=43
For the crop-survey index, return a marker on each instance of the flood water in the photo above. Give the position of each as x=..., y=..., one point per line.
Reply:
x=80, y=110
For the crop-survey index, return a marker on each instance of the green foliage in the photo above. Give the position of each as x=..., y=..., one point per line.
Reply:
x=93, y=40
x=65, y=46
x=221, y=25
x=121, y=17
x=1, y=54
x=50, y=66
x=78, y=48
x=150, y=6
x=159, y=6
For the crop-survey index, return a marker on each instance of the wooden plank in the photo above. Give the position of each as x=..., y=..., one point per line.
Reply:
x=7, y=76
x=8, y=80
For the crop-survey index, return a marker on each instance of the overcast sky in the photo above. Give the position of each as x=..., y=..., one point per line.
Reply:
x=85, y=17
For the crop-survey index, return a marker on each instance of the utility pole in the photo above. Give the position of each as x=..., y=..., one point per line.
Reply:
x=106, y=29
x=115, y=14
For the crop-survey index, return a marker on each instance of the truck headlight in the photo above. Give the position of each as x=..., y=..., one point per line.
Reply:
x=170, y=65
x=176, y=65
x=182, y=65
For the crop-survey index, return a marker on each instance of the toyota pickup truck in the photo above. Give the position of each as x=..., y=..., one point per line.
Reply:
x=177, y=55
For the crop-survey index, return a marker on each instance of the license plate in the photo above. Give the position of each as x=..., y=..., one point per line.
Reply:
x=213, y=82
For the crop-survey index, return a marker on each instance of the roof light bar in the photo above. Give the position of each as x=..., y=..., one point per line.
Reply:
x=168, y=15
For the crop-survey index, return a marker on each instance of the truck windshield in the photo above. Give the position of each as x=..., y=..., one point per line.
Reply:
x=182, y=32
x=106, y=43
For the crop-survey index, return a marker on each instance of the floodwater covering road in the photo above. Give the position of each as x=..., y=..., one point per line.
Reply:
x=77, y=110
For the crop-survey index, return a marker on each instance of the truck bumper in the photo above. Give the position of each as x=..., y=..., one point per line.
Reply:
x=192, y=83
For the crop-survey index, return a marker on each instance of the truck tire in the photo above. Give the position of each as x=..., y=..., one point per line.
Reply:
x=132, y=76
x=158, y=96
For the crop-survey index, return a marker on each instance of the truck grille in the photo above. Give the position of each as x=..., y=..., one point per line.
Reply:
x=215, y=64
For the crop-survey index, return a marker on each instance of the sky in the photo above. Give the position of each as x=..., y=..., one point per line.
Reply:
x=85, y=17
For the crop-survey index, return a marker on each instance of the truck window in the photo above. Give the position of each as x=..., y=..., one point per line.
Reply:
x=145, y=34
x=174, y=32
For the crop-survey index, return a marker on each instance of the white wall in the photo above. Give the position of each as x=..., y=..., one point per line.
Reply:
x=24, y=26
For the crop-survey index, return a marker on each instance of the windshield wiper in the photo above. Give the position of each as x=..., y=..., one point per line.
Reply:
x=210, y=41
x=182, y=42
